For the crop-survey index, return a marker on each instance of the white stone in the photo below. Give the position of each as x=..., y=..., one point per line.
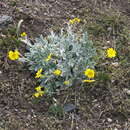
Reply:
x=109, y=119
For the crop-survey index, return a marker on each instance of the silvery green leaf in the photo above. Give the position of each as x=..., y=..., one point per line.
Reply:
x=72, y=54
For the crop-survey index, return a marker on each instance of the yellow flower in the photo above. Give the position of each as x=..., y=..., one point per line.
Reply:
x=67, y=82
x=90, y=73
x=24, y=34
x=75, y=20
x=13, y=55
x=88, y=81
x=39, y=93
x=38, y=74
x=111, y=53
x=36, y=94
x=38, y=88
x=48, y=58
x=57, y=72
x=71, y=21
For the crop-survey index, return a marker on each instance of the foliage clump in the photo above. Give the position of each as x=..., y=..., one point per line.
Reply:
x=62, y=57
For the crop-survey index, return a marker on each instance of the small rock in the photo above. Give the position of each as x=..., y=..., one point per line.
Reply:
x=108, y=42
x=109, y=119
x=69, y=107
x=5, y=20
x=2, y=5
x=115, y=64
x=127, y=91
x=109, y=29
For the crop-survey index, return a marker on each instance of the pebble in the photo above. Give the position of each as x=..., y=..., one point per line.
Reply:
x=5, y=20
x=127, y=91
x=109, y=119
x=69, y=107
x=115, y=64
x=108, y=42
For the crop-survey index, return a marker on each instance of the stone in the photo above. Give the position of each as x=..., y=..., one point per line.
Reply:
x=5, y=20
x=69, y=107
x=109, y=120
x=128, y=92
